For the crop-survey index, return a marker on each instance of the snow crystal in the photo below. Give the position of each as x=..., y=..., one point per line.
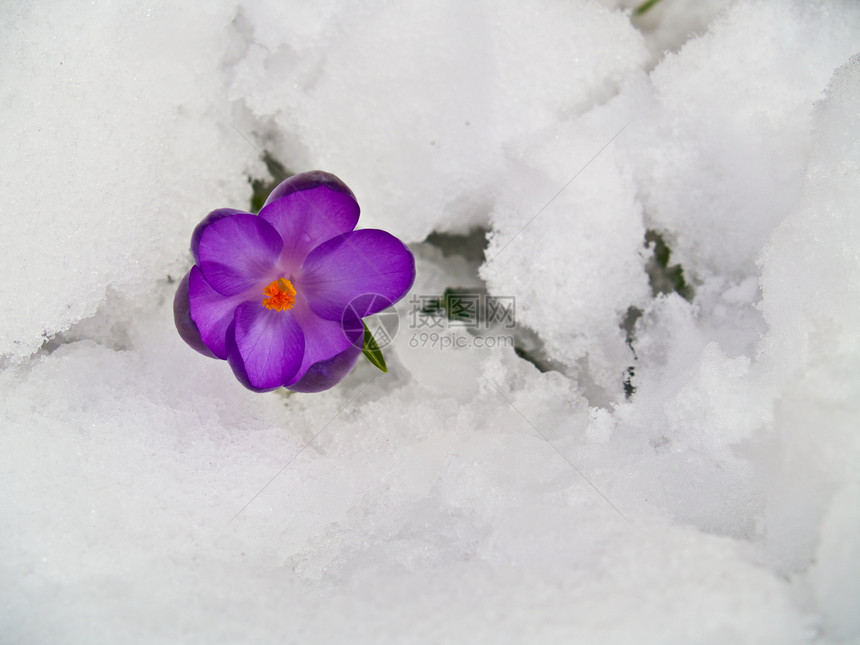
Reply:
x=573, y=260
x=811, y=288
x=416, y=103
x=114, y=144
x=721, y=140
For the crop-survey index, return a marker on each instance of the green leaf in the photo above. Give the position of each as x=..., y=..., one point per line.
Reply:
x=644, y=7
x=371, y=350
x=260, y=187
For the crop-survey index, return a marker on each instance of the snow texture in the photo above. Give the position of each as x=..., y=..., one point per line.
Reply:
x=657, y=461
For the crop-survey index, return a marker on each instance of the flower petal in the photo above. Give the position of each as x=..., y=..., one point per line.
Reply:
x=214, y=216
x=270, y=345
x=236, y=363
x=305, y=219
x=324, y=339
x=326, y=374
x=355, y=264
x=211, y=312
x=186, y=327
x=237, y=252
x=307, y=181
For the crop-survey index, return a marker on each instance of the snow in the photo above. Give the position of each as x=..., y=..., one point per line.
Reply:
x=466, y=495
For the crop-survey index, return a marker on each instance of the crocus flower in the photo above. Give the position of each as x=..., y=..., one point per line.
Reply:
x=280, y=295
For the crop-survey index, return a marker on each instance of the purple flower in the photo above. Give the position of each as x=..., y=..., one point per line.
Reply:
x=280, y=295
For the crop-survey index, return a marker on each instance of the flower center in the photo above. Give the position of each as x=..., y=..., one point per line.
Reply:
x=280, y=295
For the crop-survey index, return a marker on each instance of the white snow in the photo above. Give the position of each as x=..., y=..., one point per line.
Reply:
x=465, y=496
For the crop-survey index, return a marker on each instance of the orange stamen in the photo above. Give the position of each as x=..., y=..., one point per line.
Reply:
x=280, y=295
